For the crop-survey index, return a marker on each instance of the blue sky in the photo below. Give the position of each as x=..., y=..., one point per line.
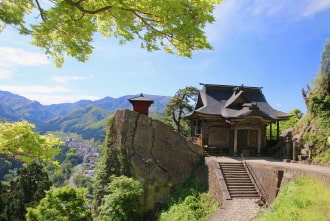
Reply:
x=276, y=45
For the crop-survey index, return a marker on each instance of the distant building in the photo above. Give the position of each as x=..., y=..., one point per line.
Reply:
x=233, y=119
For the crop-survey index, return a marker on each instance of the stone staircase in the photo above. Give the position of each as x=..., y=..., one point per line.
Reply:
x=238, y=181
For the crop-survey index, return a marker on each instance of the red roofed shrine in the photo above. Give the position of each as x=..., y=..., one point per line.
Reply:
x=141, y=104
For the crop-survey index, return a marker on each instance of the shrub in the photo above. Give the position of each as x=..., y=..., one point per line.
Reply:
x=122, y=202
x=190, y=202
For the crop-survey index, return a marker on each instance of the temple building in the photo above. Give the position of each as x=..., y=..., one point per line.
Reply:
x=234, y=119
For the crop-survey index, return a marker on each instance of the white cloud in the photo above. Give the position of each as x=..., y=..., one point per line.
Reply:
x=49, y=99
x=289, y=8
x=280, y=8
x=34, y=89
x=45, y=95
x=5, y=74
x=234, y=17
x=66, y=79
x=316, y=6
x=10, y=56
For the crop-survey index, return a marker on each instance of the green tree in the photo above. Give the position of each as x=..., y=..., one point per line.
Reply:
x=69, y=25
x=325, y=68
x=2, y=202
x=113, y=161
x=5, y=166
x=19, y=141
x=66, y=168
x=290, y=123
x=84, y=182
x=62, y=204
x=122, y=201
x=58, y=179
x=189, y=202
x=73, y=157
x=181, y=104
x=318, y=98
x=26, y=190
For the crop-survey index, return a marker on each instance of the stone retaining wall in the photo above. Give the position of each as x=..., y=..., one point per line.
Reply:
x=272, y=177
x=215, y=188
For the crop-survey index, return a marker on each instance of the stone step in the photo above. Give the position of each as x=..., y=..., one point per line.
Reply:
x=236, y=192
x=244, y=191
x=241, y=187
x=231, y=166
x=233, y=169
x=248, y=191
x=234, y=172
x=238, y=181
x=237, y=176
x=245, y=196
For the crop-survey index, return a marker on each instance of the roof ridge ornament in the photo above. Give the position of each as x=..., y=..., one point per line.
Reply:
x=254, y=106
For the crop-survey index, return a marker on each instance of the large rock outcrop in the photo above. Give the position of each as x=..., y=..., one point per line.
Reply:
x=153, y=153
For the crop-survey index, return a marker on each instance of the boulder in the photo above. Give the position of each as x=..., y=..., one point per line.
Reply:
x=155, y=154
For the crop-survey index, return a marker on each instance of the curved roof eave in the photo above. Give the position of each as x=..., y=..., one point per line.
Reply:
x=246, y=113
x=198, y=113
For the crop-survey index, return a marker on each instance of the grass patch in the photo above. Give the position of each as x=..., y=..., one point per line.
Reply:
x=303, y=199
x=189, y=203
x=324, y=157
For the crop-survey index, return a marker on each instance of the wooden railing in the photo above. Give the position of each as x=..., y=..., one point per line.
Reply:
x=197, y=141
x=277, y=147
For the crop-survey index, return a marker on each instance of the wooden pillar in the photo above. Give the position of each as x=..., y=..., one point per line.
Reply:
x=270, y=130
x=201, y=125
x=277, y=130
x=235, y=142
x=259, y=142
x=294, y=149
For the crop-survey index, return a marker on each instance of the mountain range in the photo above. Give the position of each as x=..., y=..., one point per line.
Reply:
x=85, y=117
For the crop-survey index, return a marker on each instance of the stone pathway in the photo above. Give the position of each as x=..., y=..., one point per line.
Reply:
x=246, y=209
x=236, y=210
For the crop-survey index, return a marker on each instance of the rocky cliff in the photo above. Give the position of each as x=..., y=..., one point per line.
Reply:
x=151, y=152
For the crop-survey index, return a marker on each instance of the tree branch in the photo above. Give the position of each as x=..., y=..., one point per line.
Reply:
x=82, y=9
x=136, y=12
x=41, y=10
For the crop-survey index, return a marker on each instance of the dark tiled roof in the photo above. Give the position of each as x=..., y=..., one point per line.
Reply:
x=230, y=101
x=141, y=97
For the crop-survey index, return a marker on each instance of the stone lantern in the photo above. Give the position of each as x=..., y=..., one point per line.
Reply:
x=141, y=104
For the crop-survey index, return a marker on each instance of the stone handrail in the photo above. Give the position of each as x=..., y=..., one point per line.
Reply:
x=263, y=194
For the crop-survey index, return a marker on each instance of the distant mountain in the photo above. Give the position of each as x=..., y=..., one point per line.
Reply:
x=15, y=108
x=65, y=108
x=85, y=117
x=85, y=121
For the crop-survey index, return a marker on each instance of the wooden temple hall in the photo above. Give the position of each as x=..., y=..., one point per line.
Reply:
x=234, y=120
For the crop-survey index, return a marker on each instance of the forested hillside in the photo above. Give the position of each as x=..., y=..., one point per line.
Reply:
x=85, y=117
